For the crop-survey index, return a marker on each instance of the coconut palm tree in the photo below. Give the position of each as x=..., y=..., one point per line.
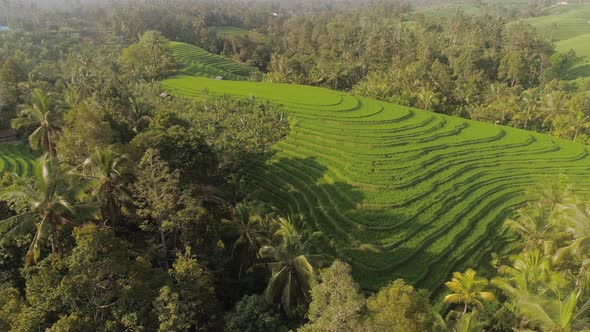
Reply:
x=46, y=115
x=561, y=126
x=578, y=106
x=108, y=171
x=555, y=104
x=500, y=101
x=555, y=311
x=71, y=96
x=469, y=323
x=427, y=98
x=543, y=297
x=467, y=289
x=530, y=272
x=574, y=220
x=53, y=203
x=292, y=272
x=529, y=103
x=579, y=120
x=533, y=224
x=252, y=228
x=155, y=42
x=140, y=115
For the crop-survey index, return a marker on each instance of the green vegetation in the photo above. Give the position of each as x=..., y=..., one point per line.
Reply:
x=580, y=44
x=273, y=206
x=17, y=158
x=240, y=32
x=198, y=62
x=390, y=185
x=563, y=22
x=569, y=27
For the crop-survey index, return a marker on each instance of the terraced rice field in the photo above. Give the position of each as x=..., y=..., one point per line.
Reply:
x=581, y=44
x=569, y=27
x=563, y=22
x=16, y=158
x=231, y=31
x=399, y=192
x=198, y=62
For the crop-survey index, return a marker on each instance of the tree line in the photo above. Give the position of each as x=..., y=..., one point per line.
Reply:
x=480, y=67
x=139, y=218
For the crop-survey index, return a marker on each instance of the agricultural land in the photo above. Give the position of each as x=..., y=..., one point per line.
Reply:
x=400, y=192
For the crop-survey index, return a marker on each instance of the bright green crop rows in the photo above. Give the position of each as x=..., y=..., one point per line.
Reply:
x=399, y=192
x=198, y=62
x=16, y=158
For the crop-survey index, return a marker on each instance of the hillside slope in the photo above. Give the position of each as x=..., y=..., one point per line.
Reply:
x=581, y=44
x=400, y=192
x=16, y=158
x=569, y=27
x=199, y=62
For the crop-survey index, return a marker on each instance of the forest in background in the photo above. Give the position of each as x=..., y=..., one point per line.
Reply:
x=137, y=218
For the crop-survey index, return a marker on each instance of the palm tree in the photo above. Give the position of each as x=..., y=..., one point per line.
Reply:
x=426, y=98
x=501, y=99
x=579, y=120
x=578, y=106
x=555, y=104
x=71, y=96
x=108, y=171
x=43, y=113
x=155, y=42
x=292, y=273
x=469, y=323
x=253, y=229
x=533, y=223
x=530, y=102
x=468, y=290
x=538, y=295
x=140, y=114
x=554, y=311
x=573, y=220
x=530, y=272
x=561, y=126
x=53, y=203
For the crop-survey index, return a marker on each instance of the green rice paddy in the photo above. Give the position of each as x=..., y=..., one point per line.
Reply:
x=16, y=158
x=198, y=62
x=398, y=192
x=569, y=27
x=240, y=32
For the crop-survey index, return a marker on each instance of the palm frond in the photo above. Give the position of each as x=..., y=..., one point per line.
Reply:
x=18, y=225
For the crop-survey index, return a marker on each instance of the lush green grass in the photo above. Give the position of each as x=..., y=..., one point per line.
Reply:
x=235, y=31
x=445, y=11
x=198, y=62
x=16, y=158
x=581, y=44
x=569, y=27
x=563, y=22
x=398, y=192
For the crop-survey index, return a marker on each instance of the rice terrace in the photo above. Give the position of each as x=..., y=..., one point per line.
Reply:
x=295, y=165
x=16, y=158
x=400, y=192
x=196, y=61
